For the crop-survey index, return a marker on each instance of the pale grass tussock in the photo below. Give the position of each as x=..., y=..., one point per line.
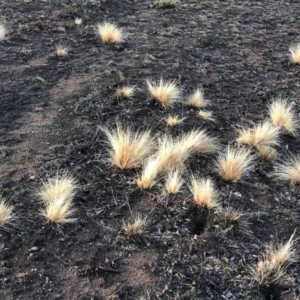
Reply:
x=271, y=267
x=6, y=213
x=61, y=51
x=204, y=192
x=289, y=171
x=173, y=182
x=128, y=149
x=197, y=99
x=282, y=115
x=173, y=120
x=206, y=115
x=198, y=142
x=126, y=92
x=165, y=92
x=3, y=32
x=234, y=163
x=150, y=171
x=295, y=53
x=110, y=33
x=57, y=196
x=135, y=228
x=262, y=135
x=266, y=153
x=78, y=21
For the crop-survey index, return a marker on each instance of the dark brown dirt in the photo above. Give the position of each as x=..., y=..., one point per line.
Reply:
x=51, y=110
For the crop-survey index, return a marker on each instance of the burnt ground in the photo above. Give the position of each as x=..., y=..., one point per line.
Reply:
x=51, y=110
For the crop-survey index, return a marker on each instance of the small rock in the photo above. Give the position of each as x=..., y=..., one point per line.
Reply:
x=228, y=295
x=34, y=249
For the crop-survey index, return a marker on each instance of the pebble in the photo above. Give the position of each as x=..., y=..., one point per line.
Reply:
x=228, y=295
x=34, y=249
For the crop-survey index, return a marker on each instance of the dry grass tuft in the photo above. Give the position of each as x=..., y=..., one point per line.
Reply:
x=3, y=32
x=289, y=171
x=207, y=115
x=271, y=267
x=136, y=228
x=262, y=135
x=197, y=99
x=234, y=163
x=125, y=92
x=267, y=153
x=174, y=182
x=204, y=192
x=229, y=218
x=165, y=92
x=282, y=115
x=198, y=142
x=174, y=120
x=128, y=148
x=295, y=53
x=149, y=174
x=57, y=195
x=61, y=51
x=6, y=213
x=110, y=33
x=78, y=21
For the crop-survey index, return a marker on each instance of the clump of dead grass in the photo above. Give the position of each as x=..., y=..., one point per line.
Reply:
x=128, y=148
x=197, y=99
x=165, y=92
x=295, y=53
x=289, y=171
x=7, y=215
x=3, y=32
x=78, y=21
x=135, y=228
x=57, y=196
x=204, y=192
x=206, y=115
x=110, y=33
x=262, y=135
x=126, y=92
x=174, y=120
x=282, y=115
x=150, y=171
x=234, y=163
x=267, y=153
x=271, y=267
x=61, y=51
x=173, y=182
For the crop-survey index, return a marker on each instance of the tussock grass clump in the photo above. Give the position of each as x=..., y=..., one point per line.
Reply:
x=125, y=92
x=295, y=53
x=282, y=115
x=163, y=4
x=6, y=213
x=149, y=174
x=135, y=228
x=110, y=33
x=234, y=163
x=173, y=182
x=262, y=135
x=128, y=148
x=271, y=267
x=206, y=115
x=198, y=142
x=229, y=218
x=61, y=51
x=197, y=99
x=173, y=120
x=57, y=196
x=289, y=171
x=267, y=153
x=3, y=32
x=78, y=21
x=204, y=192
x=165, y=92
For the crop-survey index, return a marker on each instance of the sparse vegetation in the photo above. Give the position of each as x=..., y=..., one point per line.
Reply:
x=173, y=182
x=174, y=120
x=78, y=21
x=125, y=92
x=149, y=174
x=207, y=115
x=61, y=51
x=135, y=228
x=163, y=4
x=289, y=171
x=7, y=216
x=3, y=32
x=110, y=33
x=295, y=53
x=197, y=99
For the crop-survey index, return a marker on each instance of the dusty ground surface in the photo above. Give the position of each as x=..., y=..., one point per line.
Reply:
x=51, y=110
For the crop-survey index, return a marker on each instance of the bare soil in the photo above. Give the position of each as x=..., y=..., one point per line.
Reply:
x=51, y=110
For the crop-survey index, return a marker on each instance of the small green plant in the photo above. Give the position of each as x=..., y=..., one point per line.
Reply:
x=165, y=4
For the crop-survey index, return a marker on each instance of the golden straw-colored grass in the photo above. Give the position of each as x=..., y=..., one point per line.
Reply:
x=149, y=174
x=289, y=171
x=128, y=149
x=267, y=153
x=204, y=192
x=234, y=163
x=282, y=115
x=6, y=213
x=207, y=115
x=197, y=99
x=3, y=32
x=110, y=33
x=174, y=120
x=165, y=92
x=295, y=53
x=126, y=92
x=135, y=228
x=173, y=182
x=61, y=51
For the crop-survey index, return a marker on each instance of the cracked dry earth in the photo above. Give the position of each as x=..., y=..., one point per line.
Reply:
x=51, y=110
